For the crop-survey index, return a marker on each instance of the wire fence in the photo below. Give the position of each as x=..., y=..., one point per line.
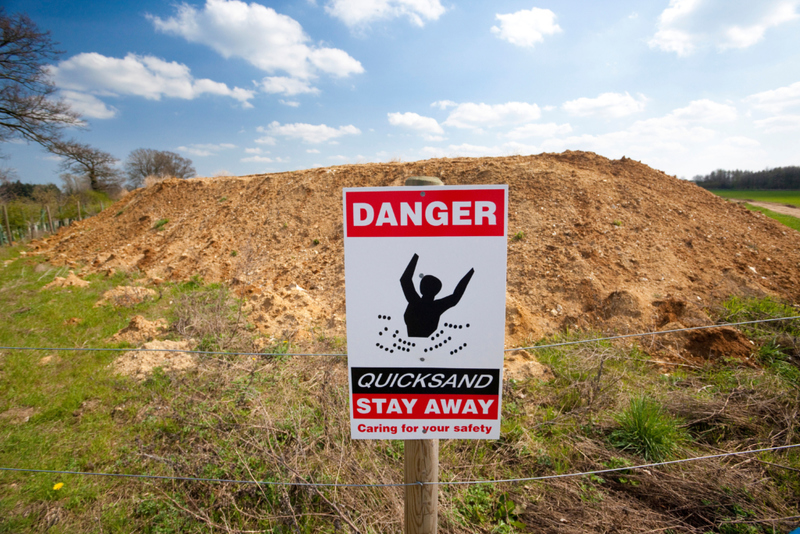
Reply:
x=398, y=485
x=532, y=347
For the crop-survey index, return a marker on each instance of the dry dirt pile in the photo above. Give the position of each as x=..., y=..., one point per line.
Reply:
x=140, y=330
x=158, y=354
x=593, y=243
x=70, y=281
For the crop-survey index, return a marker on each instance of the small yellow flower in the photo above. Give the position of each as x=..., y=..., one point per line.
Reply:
x=58, y=486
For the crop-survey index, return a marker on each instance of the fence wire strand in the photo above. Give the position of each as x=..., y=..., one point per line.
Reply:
x=533, y=347
x=398, y=485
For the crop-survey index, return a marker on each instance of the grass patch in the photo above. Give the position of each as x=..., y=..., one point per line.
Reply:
x=160, y=224
x=286, y=418
x=647, y=431
x=786, y=220
x=783, y=197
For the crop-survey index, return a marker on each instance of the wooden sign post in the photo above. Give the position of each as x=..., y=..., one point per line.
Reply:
x=422, y=458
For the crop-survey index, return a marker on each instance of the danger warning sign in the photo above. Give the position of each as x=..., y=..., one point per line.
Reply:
x=425, y=279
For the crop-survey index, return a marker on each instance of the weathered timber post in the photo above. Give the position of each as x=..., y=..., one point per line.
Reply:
x=50, y=221
x=80, y=217
x=8, y=226
x=422, y=457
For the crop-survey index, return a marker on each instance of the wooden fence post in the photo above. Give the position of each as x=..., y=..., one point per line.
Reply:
x=80, y=217
x=422, y=458
x=8, y=226
x=50, y=220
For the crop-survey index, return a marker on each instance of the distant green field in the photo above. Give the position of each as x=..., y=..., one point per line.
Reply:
x=783, y=197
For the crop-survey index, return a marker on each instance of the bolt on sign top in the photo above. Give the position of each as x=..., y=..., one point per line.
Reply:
x=425, y=282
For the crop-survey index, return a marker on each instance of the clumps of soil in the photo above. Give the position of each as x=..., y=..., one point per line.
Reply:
x=140, y=364
x=696, y=346
x=126, y=296
x=71, y=280
x=287, y=313
x=47, y=360
x=18, y=416
x=521, y=365
x=140, y=330
x=604, y=241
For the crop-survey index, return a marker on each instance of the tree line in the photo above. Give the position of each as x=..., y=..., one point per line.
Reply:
x=780, y=178
x=30, y=110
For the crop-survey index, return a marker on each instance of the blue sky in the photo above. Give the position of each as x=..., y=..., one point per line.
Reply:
x=686, y=86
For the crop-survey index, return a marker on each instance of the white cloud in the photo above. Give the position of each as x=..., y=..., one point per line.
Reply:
x=526, y=27
x=687, y=25
x=312, y=151
x=309, y=133
x=287, y=86
x=254, y=151
x=89, y=105
x=785, y=123
x=266, y=39
x=608, y=105
x=290, y=103
x=471, y=115
x=776, y=100
x=257, y=159
x=443, y=104
x=415, y=122
x=205, y=149
x=146, y=76
x=266, y=140
x=362, y=12
x=549, y=129
x=705, y=111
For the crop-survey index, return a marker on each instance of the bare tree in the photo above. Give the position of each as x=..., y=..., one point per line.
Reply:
x=97, y=167
x=144, y=162
x=28, y=109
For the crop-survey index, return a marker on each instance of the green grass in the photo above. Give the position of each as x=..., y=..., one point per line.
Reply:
x=286, y=418
x=782, y=197
x=645, y=429
x=786, y=220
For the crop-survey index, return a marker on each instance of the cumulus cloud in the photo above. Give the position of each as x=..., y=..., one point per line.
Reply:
x=257, y=159
x=266, y=39
x=92, y=74
x=526, y=27
x=688, y=25
x=415, y=122
x=287, y=86
x=776, y=100
x=443, y=104
x=549, y=129
x=471, y=115
x=89, y=105
x=205, y=149
x=356, y=13
x=309, y=133
x=705, y=111
x=784, y=123
x=608, y=105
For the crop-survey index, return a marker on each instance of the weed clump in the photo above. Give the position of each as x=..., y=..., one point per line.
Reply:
x=647, y=430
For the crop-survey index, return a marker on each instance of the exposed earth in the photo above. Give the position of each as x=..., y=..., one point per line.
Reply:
x=594, y=244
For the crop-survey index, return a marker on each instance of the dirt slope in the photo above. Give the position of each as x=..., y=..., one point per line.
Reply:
x=612, y=245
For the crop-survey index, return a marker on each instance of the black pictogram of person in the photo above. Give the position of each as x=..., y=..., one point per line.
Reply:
x=423, y=312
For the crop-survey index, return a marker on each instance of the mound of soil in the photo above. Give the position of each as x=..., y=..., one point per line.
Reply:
x=70, y=281
x=140, y=330
x=140, y=364
x=593, y=243
x=125, y=296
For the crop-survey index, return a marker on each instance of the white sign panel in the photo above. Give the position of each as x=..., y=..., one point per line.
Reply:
x=425, y=279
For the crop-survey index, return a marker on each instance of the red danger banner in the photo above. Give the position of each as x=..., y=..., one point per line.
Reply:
x=431, y=213
x=377, y=406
